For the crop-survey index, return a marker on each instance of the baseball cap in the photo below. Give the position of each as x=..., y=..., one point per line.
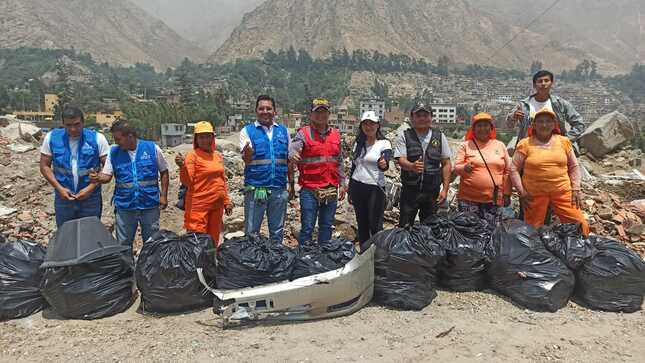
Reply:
x=545, y=111
x=319, y=103
x=482, y=116
x=420, y=106
x=203, y=127
x=370, y=115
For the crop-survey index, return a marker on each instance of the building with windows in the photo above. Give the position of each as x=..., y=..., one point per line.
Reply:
x=375, y=105
x=172, y=134
x=444, y=113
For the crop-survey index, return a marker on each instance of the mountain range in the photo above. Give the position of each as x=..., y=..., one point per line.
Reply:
x=114, y=31
x=502, y=33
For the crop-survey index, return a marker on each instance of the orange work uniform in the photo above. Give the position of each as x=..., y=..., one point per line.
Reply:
x=207, y=195
x=546, y=178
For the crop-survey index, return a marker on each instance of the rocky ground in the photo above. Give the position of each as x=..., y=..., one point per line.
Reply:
x=456, y=327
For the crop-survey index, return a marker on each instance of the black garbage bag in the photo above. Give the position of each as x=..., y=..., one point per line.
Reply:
x=466, y=238
x=312, y=258
x=252, y=261
x=166, y=272
x=613, y=280
x=525, y=271
x=405, y=266
x=91, y=290
x=20, y=276
x=568, y=244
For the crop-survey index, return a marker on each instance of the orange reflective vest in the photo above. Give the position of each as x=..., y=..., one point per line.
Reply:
x=319, y=159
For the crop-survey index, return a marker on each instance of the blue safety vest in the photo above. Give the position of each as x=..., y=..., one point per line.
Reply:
x=136, y=181
x=269, y=165
x=87, y=157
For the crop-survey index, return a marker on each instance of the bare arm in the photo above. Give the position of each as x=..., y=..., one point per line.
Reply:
x=446, y=170
x=460, y=160
x=165, y=181
x=405, y=164
x=574, y=171
x=507, y=186
x=516, y=166
x=47, y=172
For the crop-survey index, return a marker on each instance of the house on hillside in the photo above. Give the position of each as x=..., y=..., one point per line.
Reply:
x=172, y=134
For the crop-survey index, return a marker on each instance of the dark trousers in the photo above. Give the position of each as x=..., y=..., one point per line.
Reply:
x=413, y=201
x=369, y=204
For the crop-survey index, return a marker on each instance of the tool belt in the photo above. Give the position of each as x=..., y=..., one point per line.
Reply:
x=325, y=195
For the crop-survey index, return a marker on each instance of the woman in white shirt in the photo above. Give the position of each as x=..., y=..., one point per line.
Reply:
x=371, y=157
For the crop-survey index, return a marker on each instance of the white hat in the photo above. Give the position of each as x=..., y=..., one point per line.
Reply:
x=370, y=115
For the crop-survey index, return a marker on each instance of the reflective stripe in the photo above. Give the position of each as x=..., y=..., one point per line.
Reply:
x=84, y=172
x=321, y=159
x=267, y=161
x=81, y=172
x=62, y=171
x=145, y=183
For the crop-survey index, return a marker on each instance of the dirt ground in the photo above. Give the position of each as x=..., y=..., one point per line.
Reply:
x=459, y=327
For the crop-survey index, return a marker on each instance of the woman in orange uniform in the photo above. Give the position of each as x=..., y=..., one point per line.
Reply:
x=202, y=172
x=483, y=166
x=551, y=173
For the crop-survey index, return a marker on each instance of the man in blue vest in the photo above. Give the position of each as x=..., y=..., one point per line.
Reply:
x=137, y=166
x=67, y=156
x=265, y=150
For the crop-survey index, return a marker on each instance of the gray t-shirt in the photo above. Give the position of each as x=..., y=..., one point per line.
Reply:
x=401, y=150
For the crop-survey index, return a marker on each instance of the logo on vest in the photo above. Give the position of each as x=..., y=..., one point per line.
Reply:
x=145, y=156
x=435, y=143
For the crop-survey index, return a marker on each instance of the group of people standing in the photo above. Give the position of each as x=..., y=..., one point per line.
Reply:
x=544, y=170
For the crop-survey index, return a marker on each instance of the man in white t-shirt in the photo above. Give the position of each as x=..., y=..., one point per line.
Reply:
x=264, y=145
x=141, y=185
x=67, y=156
x=522, y=115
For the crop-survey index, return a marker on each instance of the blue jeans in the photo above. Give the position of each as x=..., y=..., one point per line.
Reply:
x=275, y=207
x=310, y=210
x=67, y=210
x=127, y=222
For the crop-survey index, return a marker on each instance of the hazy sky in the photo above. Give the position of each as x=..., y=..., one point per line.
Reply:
x=206, y=22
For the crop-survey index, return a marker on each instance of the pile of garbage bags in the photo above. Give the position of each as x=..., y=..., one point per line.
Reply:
x=86, y=273
x=539, y=270
x=254, y=261
x=20, y=277
x=313, y=258
x=525, y=271
x=608, y=275
x=466, y=239
x=405, y=267
x=91, y=290
x=166, y=272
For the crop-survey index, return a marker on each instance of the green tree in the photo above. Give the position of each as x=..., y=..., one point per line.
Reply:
x=443, y=65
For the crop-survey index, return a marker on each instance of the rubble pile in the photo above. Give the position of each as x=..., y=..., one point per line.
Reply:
x=26, y=202
x=611, y=216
